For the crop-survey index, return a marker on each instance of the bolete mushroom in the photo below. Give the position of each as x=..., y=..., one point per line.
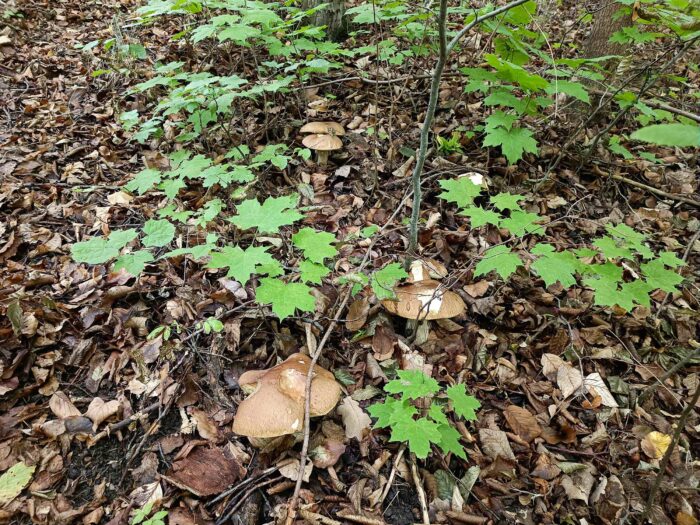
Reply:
x=275, y=406
x=425, y=269
x=423, y=301
x=323, y=138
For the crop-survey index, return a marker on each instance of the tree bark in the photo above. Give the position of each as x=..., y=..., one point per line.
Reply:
x=333, y=17
x=606, y=22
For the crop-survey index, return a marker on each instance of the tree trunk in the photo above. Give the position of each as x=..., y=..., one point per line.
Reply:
x=606, y=22
x=333, y=17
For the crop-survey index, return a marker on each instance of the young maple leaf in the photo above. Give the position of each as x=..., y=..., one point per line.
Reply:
x=463, y=404
x=659, y=277
x=449, y=441
x=612, y=249
x=506, y=201
x=316, y=245
x=242, y=263
x=391, y=412
x=269, y=216
x=312, y=272
x=461, y=191
x=498, y=258
x=98, y=250
x=513, y=142
x=285, y=298
x=159, y=232
x=412, y=384
x=478, y=216
x=384, y=280
x=554, y=266
x=521, y=222
x=419, y=435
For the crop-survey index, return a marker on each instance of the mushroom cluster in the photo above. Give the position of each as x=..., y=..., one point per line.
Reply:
x=275, y=405
x=322, y=138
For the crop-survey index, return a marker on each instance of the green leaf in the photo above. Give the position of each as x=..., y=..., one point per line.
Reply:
x=274, y=213
x=573, y=89
x=659, y=277
x=412, y=384
x=500, y=118
x=612, y=249
x=144, y=181
x=478, y=216
x=242, y=263
x=521, y=222
x=419, y=435
x=436, y=414
x=638, y=292
x=680, y=135
x=99, y=250
x=391, y=412
x=13, y=481
x=285, y=298
x=554, y=266
x=670, y=259
x=134, y=263
x=384, y=280
x=159, y=232
x=498, y=258
x=449, y=441
x=312, y=272
x=632, y=238
x=316, y=245
x=464, y=405
x=461, y=191
x=513, y=142
x=506, y=201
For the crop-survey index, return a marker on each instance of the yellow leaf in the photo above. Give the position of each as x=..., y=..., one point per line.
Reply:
x=655, y=444
x=13, y=481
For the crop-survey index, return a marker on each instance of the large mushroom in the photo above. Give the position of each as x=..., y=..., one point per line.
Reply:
x=275, y=406
x=323, y=138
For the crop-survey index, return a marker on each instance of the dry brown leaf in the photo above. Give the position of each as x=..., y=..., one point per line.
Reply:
x=62, y=407
x=98, y=410
x=205, y=426
x=595, y=386
x=569, y=379
x=522, y=422
x=550, y=365
x=355, y=420
x=494, y=443
x=357, y=314
x=579, y=484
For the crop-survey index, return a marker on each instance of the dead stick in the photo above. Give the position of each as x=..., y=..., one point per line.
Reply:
x=463, y=517
x=421, y=493
x=362, y=520
x=667, y=455
x=675, y=368
x=392, y=474
x=648, y=188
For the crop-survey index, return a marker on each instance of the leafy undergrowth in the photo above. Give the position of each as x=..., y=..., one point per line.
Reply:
x=153, y=249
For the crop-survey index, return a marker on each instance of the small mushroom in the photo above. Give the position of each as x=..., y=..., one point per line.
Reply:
x=275, y=406
x=425, y=301
x=323, y=138
x=425, y=269
x=323, y=128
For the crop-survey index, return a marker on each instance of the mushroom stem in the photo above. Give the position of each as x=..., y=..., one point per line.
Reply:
x=322, y=157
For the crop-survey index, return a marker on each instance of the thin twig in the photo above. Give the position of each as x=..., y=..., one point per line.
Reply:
x=421, y=492
x=669, y=451
x=660, y=380
x=650, y=189
x=392, y=474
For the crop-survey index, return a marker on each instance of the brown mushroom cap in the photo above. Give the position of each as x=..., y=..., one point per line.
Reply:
x=320, y=142
x=276, y=406
x=425, y=301
x=325, y=128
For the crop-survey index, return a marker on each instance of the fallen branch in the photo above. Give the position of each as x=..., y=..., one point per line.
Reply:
x=651, y=189
x=421, y=492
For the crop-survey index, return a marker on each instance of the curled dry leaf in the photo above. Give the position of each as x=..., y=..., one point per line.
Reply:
x=290, y=470
x=355, y=420
x=595, y=386
x=578, y=484
x=62, y=407
x=357, y=314
x=98, y=410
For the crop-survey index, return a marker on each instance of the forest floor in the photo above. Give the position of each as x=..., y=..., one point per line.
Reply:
x=73, y=343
